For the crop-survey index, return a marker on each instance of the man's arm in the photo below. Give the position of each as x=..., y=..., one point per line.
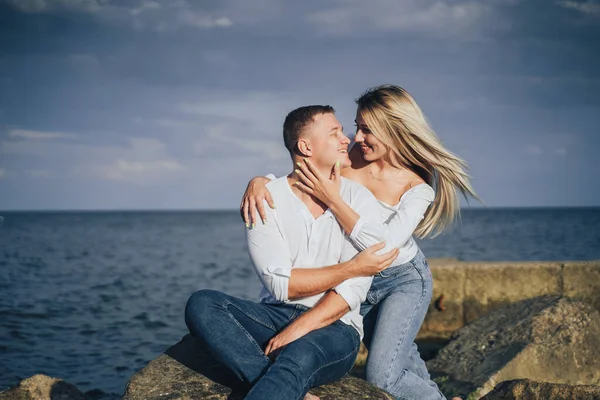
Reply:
x=273, y=264
x=329, y=309
x=347, y=295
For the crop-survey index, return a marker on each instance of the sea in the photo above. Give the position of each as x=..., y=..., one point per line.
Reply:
x=92, y=297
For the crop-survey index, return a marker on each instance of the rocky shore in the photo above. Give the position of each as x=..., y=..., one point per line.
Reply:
x=515, y=331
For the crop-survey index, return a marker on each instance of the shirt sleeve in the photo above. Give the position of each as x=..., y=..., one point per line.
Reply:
x=270, y=255
x=369, y=229
x=354, y=290
x=370, y=232
x=401, y=225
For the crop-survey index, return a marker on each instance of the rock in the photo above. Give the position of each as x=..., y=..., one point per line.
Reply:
x=491, y=286
x=42, y=387
x=466, y=291
x=446, y=311
x=524, y=389
x=582, y=282
x=176, y=375
x=547, y=339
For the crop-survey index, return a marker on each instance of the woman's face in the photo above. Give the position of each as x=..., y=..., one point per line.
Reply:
x=371, y=147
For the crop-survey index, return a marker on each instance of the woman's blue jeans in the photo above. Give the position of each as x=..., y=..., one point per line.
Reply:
x=235, y=332
x=393, y=313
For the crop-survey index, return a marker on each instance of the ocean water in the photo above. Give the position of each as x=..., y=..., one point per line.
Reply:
x=92, y=297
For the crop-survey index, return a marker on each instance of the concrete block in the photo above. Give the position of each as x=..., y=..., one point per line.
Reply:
x=489, y=286
x=582, y=282
x=449, y=282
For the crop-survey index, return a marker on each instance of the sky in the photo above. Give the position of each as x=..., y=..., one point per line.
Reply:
x=176, y=104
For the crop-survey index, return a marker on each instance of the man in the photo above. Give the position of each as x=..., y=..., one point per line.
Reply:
x=297, y=337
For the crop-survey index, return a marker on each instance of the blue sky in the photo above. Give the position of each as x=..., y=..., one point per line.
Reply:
x=175, y=104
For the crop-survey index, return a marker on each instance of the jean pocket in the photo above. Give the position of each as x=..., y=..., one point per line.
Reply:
x=396, y=270
x=372, y=297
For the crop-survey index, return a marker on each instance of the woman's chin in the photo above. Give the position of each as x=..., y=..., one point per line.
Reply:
x=372, y=156
x=369, y=156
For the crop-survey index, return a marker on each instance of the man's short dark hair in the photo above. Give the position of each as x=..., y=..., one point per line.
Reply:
x=296, y=121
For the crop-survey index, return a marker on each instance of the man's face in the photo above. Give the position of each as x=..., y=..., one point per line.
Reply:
x=327, y=141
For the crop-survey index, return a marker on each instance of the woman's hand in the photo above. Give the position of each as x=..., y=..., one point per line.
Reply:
x=327, y=190
x=367, y=263
x=252, y=200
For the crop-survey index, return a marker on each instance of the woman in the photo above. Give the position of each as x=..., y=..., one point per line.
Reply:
x=399, y=158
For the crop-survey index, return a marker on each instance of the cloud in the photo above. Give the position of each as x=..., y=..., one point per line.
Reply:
x=193, y=19
x=39, y=173
x=534, y=150
x=84, y=61
x=589, y=8
x=221, y=140
x=44, y=6
x=38, y=135
x=145, y=161
x=140, y=172
x=174, y=15
x=250, y=106
x=2, y=172
x=416, y=16
x=164, y=15
x=139, y=160
x=145, y=6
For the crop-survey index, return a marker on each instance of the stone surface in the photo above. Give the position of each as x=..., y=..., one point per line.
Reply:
x=448, y=281
x=547, y=339
x=525, y=389
x=490, y=286
x=176, y=375
x=473, y=289
x=42, y=387
x=582, y=282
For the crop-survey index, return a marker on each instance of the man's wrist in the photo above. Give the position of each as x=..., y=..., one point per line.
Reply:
x=350, y=269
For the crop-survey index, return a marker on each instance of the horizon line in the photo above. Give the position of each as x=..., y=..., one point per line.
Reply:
x=107, y=210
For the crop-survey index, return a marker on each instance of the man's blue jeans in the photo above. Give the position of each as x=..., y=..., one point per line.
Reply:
x=235, y=332
x=393, y=313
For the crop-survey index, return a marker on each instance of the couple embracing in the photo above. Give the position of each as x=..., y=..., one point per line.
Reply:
x=336, y=255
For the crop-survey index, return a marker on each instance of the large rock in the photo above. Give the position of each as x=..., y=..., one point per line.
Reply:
x=466, y=291
x=524, y=389
x=547, y=339
x=490, y=286
x=176, y=375
x=42, y=387
x=582, y=282
x=446, y=311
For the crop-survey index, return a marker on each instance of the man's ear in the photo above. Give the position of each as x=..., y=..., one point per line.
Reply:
x=304, y=147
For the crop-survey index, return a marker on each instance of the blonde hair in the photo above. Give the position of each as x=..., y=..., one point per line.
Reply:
x=395, y=119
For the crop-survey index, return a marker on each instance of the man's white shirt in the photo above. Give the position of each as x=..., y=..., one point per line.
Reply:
x=293, y=238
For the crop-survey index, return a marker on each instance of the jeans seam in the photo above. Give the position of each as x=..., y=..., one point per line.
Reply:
x=251, y=317
x=403, y=337
x=248, y=335
x=328, y=364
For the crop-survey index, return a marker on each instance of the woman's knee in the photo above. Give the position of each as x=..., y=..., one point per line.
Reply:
x=385, y=378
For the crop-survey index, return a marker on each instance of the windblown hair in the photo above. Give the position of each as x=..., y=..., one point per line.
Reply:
x=297, y=120
x=394, y=118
